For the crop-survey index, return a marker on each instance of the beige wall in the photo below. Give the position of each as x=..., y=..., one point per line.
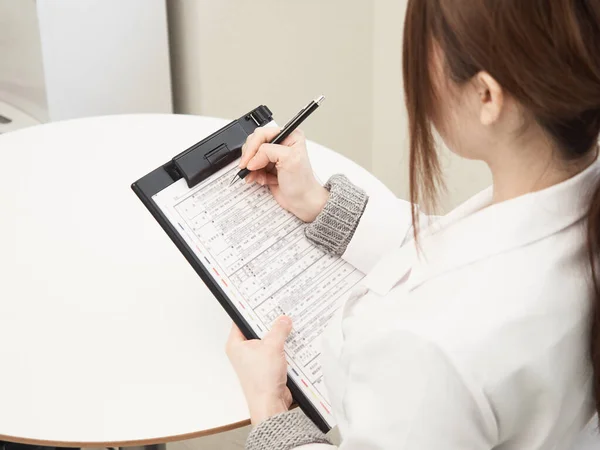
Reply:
x=230, y=55
x=21, y=71
x=390, y=139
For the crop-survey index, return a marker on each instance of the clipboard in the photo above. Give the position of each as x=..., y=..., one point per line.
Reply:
x=194, y=165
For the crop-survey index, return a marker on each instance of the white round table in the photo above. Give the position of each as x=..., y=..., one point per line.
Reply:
x=107, y=336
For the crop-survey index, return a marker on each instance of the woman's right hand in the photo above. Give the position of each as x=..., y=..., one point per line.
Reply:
x=286, y=170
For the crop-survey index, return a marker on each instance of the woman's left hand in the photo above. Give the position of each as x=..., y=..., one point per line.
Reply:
x=262, y=369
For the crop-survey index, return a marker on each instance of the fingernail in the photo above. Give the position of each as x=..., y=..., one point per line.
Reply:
x=285, y=320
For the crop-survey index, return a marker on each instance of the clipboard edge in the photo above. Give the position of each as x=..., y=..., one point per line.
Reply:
x=297, y=394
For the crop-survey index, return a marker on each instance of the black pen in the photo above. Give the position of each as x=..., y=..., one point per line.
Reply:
x=287, y=129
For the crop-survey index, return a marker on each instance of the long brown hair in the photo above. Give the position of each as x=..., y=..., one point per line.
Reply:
x=544, y=53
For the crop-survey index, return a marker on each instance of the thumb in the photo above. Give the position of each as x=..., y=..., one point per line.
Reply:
x=279, y=331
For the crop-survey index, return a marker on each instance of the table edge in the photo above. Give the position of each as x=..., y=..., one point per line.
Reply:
x=126, y=443
x=170, y=438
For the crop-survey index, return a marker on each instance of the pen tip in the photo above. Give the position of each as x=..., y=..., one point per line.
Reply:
x=320, y=100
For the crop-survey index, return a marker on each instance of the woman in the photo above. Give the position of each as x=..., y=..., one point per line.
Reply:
x=483, y=331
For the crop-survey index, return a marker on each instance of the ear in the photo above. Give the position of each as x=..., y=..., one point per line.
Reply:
x=491, y=98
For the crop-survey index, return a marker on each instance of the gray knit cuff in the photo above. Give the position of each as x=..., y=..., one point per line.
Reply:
x=333, y=229
x=285, y=431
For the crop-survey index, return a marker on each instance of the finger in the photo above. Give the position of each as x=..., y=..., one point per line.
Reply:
x=235, y=335
x=246, y=155
x=264, y=178
x=295, y=136
x=261, y=178
x=266, y=134
x=242, y=157
x=271, y=179
x=268, y=153
x=253, y=177
x=250, y=177
x=279, y=332
x=254, y=141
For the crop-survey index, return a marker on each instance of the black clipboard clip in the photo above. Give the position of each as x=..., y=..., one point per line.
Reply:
x=217, y=150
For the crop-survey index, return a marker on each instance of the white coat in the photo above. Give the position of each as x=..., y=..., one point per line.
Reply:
x=480, y=343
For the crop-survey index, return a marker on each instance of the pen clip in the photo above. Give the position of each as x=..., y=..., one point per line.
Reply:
x=296, y=116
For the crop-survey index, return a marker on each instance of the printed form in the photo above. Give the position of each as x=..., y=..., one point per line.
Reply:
x=258, y=254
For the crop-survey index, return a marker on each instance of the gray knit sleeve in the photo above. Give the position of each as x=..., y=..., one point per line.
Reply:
x=285, y=431
x=333, y=229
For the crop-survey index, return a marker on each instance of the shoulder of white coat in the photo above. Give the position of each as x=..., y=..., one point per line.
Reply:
x=415, y=373
x=497, y=325
x=497, y=315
